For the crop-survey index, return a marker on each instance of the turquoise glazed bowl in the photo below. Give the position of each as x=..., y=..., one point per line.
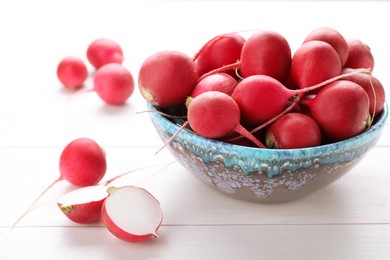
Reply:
x=266, y=175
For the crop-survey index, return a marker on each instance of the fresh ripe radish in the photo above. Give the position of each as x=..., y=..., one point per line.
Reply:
x=289, y=82
x=219, y=51
x=359, y=55
x=131, y=213
x=167, y=78
x=314, y=62
x=217, y=82
x=72, y=72
x=260, y=98
x=293, y=130
x=341, y=109
x=82, y=162
x=373, y=87
x=113, y=83
x=103, y=51
x=334, y=38
x=266, y=53
x=214, y=114
x=83, y=205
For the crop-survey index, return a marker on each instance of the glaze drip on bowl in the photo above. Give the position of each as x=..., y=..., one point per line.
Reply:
x=266, y=175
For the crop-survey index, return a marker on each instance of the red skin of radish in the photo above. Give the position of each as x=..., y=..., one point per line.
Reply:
x=103, y=51
x=359, y=55
x=314, y=62
x=214, y=114
x=341, y=109
x=113, y=83
x=334, y=38
x=289, y=82
x=85, y=213
x=293, y=130
x=83, y=205
x=217, y=82
x=260, y=98
x=219, y=51
x=72, y=72
x=82, y=162
x=376, y=91
x=266, y=53
x=119, y=232
x=220, y=113
x=167, y=78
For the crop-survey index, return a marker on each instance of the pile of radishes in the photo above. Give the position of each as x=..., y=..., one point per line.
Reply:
x=113, y=83
x=129, y=212
x=259, y=89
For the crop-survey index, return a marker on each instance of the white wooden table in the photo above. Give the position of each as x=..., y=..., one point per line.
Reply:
x=350, y=219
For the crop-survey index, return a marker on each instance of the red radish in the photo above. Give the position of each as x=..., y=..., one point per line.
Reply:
x=266, y=53
x=83, y=205
x=341, y=109
x=217, y=82
x=82, y=163
x=334, y=38
x=167, y=78
x=131, y=213
x=289, y=82
x=359, y=55
x=113, y=83
x=260, y=98
x=219, y=51
x=72, y=72
x=214, y=114
x=103, y=51
x=314, y=62
x=373, y=87
x=293, y=130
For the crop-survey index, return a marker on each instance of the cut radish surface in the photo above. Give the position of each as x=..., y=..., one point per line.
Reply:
x=83, y=205
x=131, y=213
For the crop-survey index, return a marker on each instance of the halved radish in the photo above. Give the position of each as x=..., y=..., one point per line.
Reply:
x=131, y=213
x=83, y=205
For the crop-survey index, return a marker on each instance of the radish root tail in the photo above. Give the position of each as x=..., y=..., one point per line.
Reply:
x=35, y=202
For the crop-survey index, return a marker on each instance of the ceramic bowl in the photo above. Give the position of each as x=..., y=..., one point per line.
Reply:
x=266, y=175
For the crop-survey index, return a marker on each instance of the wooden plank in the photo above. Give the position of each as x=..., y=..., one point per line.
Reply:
x=362, y=196
x=203, y=242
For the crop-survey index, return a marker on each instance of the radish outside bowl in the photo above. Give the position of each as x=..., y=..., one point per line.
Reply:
x=266, y=175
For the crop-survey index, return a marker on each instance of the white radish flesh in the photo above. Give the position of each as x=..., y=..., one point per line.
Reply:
x=131, y=213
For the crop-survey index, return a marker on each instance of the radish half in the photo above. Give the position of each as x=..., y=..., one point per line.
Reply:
x=131, y=213
x=83, y=205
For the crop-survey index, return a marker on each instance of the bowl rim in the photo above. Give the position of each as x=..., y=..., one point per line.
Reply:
x=378, y=125
x=249, y=158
